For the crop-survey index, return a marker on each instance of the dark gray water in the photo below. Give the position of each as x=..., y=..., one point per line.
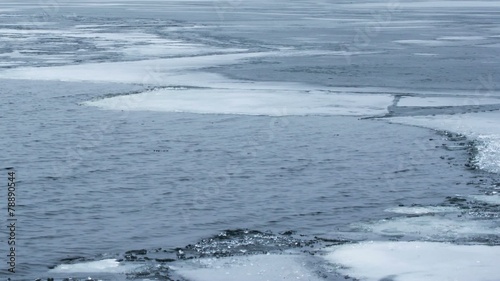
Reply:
x=94, y=184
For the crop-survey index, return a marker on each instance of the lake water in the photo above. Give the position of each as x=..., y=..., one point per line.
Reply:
x=225, y=140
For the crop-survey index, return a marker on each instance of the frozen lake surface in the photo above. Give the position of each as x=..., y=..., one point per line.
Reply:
x=233, y=140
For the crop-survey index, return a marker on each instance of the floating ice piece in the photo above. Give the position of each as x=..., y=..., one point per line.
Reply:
x=416, y=261
x=248, y=268
x=421, y=210
x=249, y=102
x=101, y=266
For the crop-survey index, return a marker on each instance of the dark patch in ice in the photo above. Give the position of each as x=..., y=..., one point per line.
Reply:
x=242, y=242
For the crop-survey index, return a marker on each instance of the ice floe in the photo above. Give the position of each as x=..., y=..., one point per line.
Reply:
x=416, y=261
x=249, y=102
x=100, y=266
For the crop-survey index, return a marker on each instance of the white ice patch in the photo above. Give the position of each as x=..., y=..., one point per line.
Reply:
x=431, y=227
x=462, y=38
x=484, y=127
x=171, y=71
x=249, y=102
x=445, y=101
x=421, y=210
x=416, y=261
x=249, y=268
x=488, y=199
x=102, y=266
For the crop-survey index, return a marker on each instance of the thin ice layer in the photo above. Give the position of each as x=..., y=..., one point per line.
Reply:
x=483, y=127
x=421, y=210
x=248, y=268
x=416, y=261
x=445, y=101
x=272, y=102
x=432, y=227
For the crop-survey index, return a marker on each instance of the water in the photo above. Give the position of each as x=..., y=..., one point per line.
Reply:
x=160, y=191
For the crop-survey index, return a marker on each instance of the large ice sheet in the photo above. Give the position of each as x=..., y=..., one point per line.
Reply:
x=483, y=126
x=248, y=268
x=416, y=261
x=249, y=102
